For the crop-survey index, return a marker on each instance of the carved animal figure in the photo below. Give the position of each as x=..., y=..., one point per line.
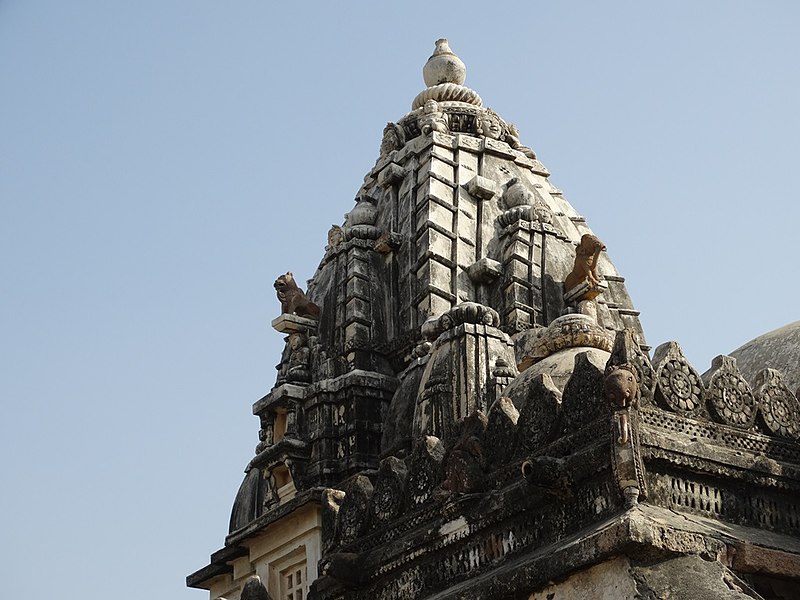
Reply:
x=293, y=300
x=585, y=268
x=621, y=389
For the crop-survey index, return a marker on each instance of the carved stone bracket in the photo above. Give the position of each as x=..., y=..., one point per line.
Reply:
x=627, y=461
x=678, y=386
x=391, y=175
x=730, y=399
x=466, y=312
x=388, y=242
x=485, y=271
x=482, y=187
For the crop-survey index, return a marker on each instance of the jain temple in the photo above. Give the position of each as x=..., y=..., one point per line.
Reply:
x=467, y=408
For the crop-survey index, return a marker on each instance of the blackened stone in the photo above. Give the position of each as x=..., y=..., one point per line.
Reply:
x=354, y=514
x=425, y=469
x=500, y=439
x=255, y=590
x=388, y=500
x=583, y=400
x=539, y=417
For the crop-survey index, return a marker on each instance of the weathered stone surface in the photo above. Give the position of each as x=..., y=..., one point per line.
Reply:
x=568, y=331
x=458, y=240
x=353, y=514
x=425, y=469
x=778, y=408
x=539, y=415
x=388, y=500
x=678, y=386
x=610, y=580
x=729, y=397
x=689, y=577
x=465, y=461
x=778, y=349
x=500, y=439
x=583, y=400
x=254, y=590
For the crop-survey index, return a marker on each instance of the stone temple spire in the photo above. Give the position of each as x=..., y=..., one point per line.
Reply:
x=444, y=74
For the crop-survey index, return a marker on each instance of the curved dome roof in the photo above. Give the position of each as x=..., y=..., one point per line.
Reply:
x=778, y=349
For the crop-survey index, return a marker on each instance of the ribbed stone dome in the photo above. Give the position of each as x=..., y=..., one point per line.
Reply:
x=778, y=349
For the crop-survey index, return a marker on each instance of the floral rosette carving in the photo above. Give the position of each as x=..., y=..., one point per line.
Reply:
x=353, y=515
x=678, y=386
x=729, y=397
x=420, y=484
x=779, y=409
x=387, y=500
x=424, y=472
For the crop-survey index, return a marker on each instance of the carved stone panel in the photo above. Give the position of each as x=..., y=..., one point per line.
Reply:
x=778, y=408
x=539, y=416
x=353, y=514
x=730, y=399
x=583, y=399
x=387, y=500
x=425, y=469
x=678, y=386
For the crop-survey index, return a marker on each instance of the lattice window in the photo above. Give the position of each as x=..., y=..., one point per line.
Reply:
x=293, y=582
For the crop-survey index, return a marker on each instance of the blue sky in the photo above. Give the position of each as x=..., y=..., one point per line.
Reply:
x=162, y=162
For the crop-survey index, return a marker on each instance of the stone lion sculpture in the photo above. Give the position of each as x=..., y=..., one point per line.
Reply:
x=293, y=300
x=585, y=268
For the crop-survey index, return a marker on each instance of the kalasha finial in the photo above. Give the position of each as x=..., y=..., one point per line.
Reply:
x=444, y=66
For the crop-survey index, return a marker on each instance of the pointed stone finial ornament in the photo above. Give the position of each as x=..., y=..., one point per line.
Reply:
x=444, y=66
x=444, y=74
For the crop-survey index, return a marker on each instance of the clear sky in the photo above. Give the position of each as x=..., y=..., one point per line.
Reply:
x=161, y=162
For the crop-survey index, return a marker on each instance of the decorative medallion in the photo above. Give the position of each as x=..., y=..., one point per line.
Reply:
x=420, y=485
x=779, y=409
x=424, y=472
x=387, y=500
x=729, y=397
x=678, y=386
